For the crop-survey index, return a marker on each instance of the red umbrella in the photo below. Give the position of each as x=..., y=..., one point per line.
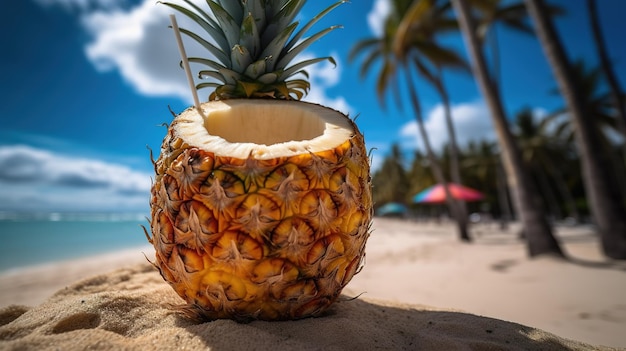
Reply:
x=436, y=194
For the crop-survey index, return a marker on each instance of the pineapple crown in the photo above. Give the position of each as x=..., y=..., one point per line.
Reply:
x=253, y=45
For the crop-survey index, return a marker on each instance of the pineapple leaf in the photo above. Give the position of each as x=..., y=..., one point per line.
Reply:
x=300, y=65
x=231, y=76
x=299, y=87
x=273, y=49
x=252, y=46
x=288, y=11
x=205, y=15
x=249, y=88
x=224, y=75
x=249, y=36
x=268, y=78
x=224, y=91
x=219, y=54
x=256, y=69
x=233, y=8
x=273, y=7
x=213, y=31
x=310, y=24
x=240, y=58
x=283, y=90
x=257, y=9
x=298, y=84
x=299, y=94
x=302, y=72
x=280, y=20
x=214, y=65
x=228, y=25
x=284, y=61
x=212, y=74
x=265, y=94
x=208, y=85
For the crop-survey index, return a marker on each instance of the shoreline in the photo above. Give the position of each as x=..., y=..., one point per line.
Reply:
x=104, y=255
x=424, y=264
x=31, y=285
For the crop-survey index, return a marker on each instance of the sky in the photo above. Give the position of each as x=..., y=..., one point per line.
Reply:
x=88, y=84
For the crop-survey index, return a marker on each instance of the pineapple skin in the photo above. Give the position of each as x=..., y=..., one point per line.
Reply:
x=274, y=239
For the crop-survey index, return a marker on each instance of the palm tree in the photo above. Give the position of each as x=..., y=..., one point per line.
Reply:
x=390, y=182
x=492, y=12
x=598, y=106
x=419, y=174
x=415, y=38
x=602, y=188
x=540, y=239
x=485, y=161
x=393, y=66
x=541, y=152
x=607, y=68
x=512, y=15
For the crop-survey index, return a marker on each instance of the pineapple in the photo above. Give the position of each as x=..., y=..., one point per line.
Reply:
x=261, y=204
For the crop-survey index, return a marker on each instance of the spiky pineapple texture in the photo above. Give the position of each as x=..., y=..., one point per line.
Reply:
x=275, y=235
x=253, y=43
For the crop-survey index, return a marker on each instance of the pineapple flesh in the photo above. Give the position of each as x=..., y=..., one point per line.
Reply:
x=261, y=204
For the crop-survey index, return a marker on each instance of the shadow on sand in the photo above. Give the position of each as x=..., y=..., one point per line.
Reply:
x=511, y=238
x=368, y=325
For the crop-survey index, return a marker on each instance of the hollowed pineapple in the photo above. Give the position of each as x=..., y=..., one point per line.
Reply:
x=260, y=207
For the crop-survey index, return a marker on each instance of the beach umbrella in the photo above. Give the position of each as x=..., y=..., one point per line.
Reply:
x=391, y=208
x=436, y=194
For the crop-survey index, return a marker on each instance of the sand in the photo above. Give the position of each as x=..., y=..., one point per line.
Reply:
x=421, y=289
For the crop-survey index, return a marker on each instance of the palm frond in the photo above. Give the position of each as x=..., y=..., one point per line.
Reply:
x=362, y=46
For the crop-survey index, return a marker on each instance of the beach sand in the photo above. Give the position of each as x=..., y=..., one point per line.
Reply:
x=421, y=289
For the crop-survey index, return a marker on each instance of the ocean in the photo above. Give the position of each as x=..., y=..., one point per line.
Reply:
x=37, y=238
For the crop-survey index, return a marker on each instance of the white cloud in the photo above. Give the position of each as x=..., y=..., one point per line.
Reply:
x=322, y=76
x=33, y=178
x=139, y=44
x=377, y=16
x=471, y=122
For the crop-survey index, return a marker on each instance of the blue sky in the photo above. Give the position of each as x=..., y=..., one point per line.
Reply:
x=88, y=82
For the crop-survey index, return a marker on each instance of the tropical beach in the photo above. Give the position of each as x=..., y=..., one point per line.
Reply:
x=421, y=288
x=442, y=175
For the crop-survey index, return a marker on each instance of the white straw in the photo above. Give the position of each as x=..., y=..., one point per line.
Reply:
x=183, y=55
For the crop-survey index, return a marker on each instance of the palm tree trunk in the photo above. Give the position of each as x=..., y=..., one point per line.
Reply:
x=436, y=168
x=503, y=198
x=554, y=209
x=602, y=188
x=538, y=231
x=605, y=64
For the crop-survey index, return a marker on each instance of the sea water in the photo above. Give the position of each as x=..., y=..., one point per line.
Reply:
x=37, y=238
